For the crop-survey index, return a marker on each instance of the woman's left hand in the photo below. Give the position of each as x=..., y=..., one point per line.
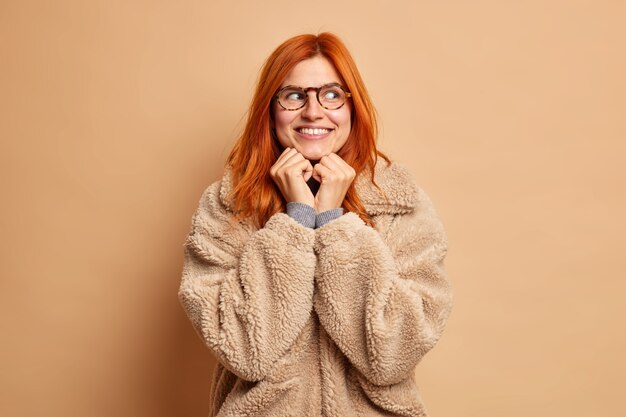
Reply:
x=335, y=177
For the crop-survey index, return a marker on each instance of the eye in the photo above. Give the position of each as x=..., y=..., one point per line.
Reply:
x=294, y=95
x=331, y=94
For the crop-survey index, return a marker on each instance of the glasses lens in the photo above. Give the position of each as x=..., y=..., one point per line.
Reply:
x=292, y=98
x=332, y=97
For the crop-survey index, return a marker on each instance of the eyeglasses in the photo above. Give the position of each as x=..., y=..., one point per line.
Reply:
x=330, y=96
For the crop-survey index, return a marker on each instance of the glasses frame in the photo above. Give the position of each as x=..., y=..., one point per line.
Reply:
x=317, y=95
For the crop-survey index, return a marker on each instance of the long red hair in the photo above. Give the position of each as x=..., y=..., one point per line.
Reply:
x=254, y=193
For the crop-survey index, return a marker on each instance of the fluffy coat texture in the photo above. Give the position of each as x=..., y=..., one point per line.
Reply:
x=319, y=322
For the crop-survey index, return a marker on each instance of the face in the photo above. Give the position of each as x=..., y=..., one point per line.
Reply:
x=294, y=128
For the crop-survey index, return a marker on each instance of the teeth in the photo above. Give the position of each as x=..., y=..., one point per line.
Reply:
x=308, y=131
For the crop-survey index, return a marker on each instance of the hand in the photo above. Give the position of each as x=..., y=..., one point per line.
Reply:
x=290, y=172
x=335, y=176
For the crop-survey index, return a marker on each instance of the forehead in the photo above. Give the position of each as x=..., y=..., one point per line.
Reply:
x=312, y=72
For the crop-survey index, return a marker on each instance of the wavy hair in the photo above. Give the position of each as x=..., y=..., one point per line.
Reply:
x=254, y=193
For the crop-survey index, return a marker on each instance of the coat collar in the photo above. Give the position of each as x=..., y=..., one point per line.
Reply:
x=394, y=179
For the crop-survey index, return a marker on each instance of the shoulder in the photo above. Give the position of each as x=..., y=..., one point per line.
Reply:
x=416, y=220
x=213, y=214
x=398, y=192
x=406, y=200
x=215, y=234
x=210, y=200
x=216, y=196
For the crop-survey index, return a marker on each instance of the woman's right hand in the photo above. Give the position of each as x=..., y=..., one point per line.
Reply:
x=290, y=172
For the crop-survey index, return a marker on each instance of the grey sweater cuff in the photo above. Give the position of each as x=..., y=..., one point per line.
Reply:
x=302, y=213
x=324, y=217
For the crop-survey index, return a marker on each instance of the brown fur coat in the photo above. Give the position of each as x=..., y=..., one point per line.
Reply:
x=319, y=322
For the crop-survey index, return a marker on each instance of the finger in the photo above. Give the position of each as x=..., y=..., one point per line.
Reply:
x=284, y=156
x=308, y=171
x=321, y=173
x=331, y=163
x=341, y=164
x=297, y=166
x=339, y=171
x=281, y=158
x=295, y=161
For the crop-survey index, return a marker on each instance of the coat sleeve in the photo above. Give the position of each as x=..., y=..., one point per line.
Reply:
x=248, y=293
x=383, y=298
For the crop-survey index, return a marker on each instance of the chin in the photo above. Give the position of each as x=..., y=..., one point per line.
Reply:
x=314, y=156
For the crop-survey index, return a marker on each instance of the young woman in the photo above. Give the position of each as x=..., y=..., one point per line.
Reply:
x=314, y=268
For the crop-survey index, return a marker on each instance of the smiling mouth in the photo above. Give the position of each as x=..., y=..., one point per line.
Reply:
x=313, y=131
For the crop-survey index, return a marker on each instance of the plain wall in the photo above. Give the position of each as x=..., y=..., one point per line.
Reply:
x=116, y=115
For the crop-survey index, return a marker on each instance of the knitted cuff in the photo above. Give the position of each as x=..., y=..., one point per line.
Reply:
x=324, y=217
x=302, y=213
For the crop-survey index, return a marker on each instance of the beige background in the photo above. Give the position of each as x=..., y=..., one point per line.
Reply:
x=115, y=115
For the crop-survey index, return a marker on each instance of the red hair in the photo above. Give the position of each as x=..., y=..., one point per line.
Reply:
x=254, y=193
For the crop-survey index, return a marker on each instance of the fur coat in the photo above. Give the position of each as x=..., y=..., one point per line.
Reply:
x=318, y=322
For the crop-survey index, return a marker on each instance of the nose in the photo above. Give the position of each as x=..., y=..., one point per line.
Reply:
x=312, y=109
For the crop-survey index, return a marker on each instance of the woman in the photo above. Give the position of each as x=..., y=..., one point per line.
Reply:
x=313, y=269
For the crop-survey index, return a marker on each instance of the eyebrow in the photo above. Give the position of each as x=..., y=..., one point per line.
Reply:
x=322, y=85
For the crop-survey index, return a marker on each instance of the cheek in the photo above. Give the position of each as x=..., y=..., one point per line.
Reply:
x=281, y=127
x=343, y=120
x=282, y=119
